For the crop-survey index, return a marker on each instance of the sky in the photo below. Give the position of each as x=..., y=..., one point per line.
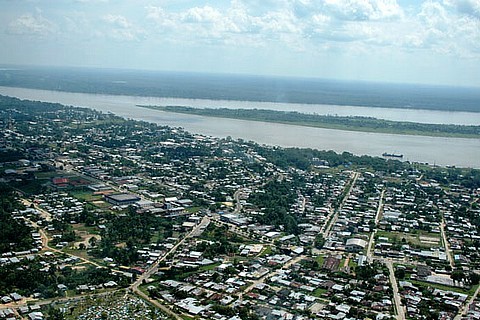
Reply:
x=405, y=41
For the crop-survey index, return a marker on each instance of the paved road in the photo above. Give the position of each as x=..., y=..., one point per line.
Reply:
x=396, y=296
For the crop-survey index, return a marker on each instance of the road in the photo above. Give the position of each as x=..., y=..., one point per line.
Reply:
x=238, y=205
x=380, y=207
x=446, y=244
x=377, y=220
x=332, y=220
x=370, y=245
x=154, y=268
x=45, y=214
x=396, y=295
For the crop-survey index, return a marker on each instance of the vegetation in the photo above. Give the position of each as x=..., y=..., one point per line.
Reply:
x=302, y=158
x=219, y=242
x=275, y=201
x=32, y=276
x=366, y=124
x=126, y=231
x=14, y=234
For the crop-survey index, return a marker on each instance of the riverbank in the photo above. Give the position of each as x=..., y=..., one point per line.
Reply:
x=361, y=124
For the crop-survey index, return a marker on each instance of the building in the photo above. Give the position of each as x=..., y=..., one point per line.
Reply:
x=355, y=245
x=122, y=199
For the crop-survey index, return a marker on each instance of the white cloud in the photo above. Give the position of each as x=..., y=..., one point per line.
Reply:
x=160, y=17
x=204, y=14
x=197, y=24
x=31, y=24
x=282, y=21
x=361, y=10
x=234, y=25
x=117, y=20
x=434, y=15
x=443, y=31
x=122, y=29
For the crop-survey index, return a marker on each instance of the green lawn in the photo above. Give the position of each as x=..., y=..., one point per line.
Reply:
x=352, y=263
x=267, y=250
x=320, y=259
x=319, y=292
x=193, y=209
x=85, y=195
x=209, y=267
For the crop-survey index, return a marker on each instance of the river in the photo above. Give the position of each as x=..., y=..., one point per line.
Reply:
x=434, y=150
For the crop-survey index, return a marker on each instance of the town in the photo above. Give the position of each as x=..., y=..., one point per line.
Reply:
x=152, y=222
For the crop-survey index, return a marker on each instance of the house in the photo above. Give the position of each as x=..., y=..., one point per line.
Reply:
x=62, y=287
x=35, y=316
x=16, y=297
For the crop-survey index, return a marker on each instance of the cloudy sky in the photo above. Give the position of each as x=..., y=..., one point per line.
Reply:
x=434, y=41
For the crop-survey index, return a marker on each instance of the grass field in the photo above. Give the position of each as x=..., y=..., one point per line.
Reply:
x=418, y=240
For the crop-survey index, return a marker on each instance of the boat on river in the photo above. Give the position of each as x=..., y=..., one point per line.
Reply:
x=392, y=155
